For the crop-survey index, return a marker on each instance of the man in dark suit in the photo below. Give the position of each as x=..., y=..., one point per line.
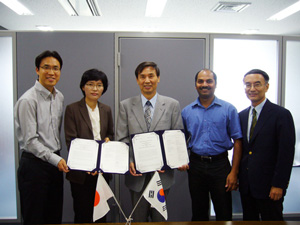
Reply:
x=268, y=151
x=165, y=115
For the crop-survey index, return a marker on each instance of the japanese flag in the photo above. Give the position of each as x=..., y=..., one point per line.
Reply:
x=103, y=193
x=154, y=194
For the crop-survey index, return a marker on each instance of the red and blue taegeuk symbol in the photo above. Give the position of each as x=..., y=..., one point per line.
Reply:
x=161, y=195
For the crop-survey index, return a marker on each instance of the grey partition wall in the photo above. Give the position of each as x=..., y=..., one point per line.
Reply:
x=80, y=52
x=178, y=59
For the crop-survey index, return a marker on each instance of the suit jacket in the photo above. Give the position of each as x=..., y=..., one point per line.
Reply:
x=167, y=116
x=78, y=125
x=267, y=158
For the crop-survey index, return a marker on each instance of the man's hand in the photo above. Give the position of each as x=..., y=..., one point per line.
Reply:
x=275, y=193
x=184, y=167
x=93, y=174
x=231, y=182
x=62, y=166
x=132, y=170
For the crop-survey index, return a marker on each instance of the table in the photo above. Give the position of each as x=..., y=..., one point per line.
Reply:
x=213, y=223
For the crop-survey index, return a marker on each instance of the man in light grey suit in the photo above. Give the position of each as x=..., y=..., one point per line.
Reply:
x=165, y=115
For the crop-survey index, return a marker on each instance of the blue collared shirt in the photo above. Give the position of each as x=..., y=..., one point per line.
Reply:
x=212, y=129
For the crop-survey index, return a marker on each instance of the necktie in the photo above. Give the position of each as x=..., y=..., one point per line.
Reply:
x=147, y=114
x=253, y=123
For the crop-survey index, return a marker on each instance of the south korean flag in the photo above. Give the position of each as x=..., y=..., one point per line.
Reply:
x=154, y=194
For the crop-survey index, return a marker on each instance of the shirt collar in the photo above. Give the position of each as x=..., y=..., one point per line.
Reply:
x=44, y=91
x=152, y=100
x=216, y=101
x=259, y=107
x=90, y=109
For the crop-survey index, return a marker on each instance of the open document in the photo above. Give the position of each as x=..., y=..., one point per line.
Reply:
x=91, y=155
x=150, y=149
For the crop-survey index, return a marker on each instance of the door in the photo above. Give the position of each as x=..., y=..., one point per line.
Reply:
x=179, y=59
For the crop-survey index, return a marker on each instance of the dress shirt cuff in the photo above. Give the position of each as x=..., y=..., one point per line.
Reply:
x=54, y=159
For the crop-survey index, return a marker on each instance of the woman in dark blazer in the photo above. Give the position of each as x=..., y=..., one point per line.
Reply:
x=88, y=119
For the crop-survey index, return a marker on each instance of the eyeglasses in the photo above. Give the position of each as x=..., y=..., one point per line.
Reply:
x=255, y=85
x=91, y=86
x=49, y=68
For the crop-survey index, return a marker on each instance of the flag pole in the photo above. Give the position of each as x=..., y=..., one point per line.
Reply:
x=129, y=218
x=120, y=208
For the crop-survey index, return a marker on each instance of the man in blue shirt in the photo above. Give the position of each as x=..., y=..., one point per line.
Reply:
x=213, y=128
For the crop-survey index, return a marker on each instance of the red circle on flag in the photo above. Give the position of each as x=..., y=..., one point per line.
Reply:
x=161, y=192
x=161, y=195
x=97, y=198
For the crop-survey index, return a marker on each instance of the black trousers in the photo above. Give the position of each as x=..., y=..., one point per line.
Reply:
x=209, y=179
x=83, y=199
x=41, y=191
x=261, y=209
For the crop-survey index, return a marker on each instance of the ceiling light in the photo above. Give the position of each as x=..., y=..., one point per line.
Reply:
x=68, y=7
x=81, y=8
x=286, y=12
x=17, y=7
x=44, y=28
x=231, y=6
x=155, y=8
x=94, y=7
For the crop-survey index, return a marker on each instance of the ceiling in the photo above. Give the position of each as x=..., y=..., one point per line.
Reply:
x=188, y=16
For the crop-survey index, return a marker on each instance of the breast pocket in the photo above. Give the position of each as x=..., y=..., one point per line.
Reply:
x=216, y=131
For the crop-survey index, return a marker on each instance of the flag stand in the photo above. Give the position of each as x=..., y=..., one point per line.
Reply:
x=142, y=195
x=129, y=218
x=128, y=221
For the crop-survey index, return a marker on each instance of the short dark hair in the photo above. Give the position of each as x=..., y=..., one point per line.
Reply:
x=258, y=71
x=94, y=74
x=46, y=54
x=143, y=65
x=215, y=76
